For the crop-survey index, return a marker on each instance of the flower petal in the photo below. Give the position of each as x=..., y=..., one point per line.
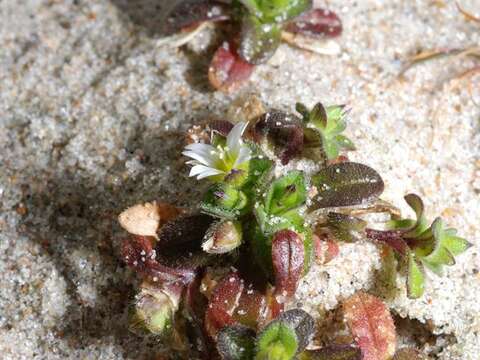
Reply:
x=201, y=158
x=235, y=136
x=243, y=155
x=202, y=171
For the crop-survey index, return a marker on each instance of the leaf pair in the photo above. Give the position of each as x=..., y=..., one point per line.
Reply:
x=282, y=339
x=324, y=127
x=421, y=245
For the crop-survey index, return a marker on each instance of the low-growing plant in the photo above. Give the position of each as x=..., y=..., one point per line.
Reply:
x=254, y=29
x=222, y=277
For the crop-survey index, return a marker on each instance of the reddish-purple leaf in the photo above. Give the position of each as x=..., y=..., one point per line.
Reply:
x=228, y=71
x=392, y=238
x=371, y=325
x=187, y=14
x=288, y=257
x=284, y=130
x=316, y=23
x=223, y=302
x=326, y=249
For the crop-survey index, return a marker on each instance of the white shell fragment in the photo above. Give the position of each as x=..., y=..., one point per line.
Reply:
x=141, y=219
x=318, y=46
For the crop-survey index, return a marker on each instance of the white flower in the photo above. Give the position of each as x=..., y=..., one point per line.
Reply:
x=209, y=160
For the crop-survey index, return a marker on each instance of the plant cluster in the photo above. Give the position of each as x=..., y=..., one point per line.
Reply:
x=254, y=30
x=222, y=277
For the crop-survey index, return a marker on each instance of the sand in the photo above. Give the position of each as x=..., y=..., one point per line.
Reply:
x=92, y=111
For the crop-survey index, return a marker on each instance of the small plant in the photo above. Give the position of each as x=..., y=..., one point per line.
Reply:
x=254, y=31
x=421, y=245
x=222, y=277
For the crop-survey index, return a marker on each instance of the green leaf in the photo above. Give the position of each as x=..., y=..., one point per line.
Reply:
x=286, y=193
x=318, y=116
x=416, y=203
x=455, y=244
x=303, y=110
x=277, y=342
x=258, y=40
x=312, y=138
x=258, y=170
x=346, y=184
x=330, y=148
x=345, y=143
x=280, y=11
x=224, y=201
x=236, y=342
x=415, y=278
x=440, y=254
x=284, y=337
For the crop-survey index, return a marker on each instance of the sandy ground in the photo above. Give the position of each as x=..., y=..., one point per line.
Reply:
x=91, y=114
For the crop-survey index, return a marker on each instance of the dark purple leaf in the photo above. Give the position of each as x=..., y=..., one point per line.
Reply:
x=223, y=127
x=190, y=13
x=184, y=232
x=302, y=323
x=288, y=256
x=346, y=184
x=316, y=23
x=228, y=71
x=138, y=253
x=392, y=238
x=236, y=342
x=284, y=130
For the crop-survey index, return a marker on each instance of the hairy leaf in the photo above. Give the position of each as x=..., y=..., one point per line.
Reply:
x=284, y=131
x=316, y=23
x=345, y=227
x=346, y=184
x=415, y=278
x=189, y=13
x=224, y=201
x=286, y=336
x=392, y=238
x=258, y=41
x=184, y=232
x=276, y=11
x=286, y=193
x=371, y=325
x=227, y=71
x=236, y=342
x=223, y=303
x=288, y=261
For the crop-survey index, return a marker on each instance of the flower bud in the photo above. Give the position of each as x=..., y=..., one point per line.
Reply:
x=155, y=308
x=222, y=237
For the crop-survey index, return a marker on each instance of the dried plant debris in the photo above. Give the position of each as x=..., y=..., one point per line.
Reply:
x=222, y=277
x=431, y=54
x=255, y=30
